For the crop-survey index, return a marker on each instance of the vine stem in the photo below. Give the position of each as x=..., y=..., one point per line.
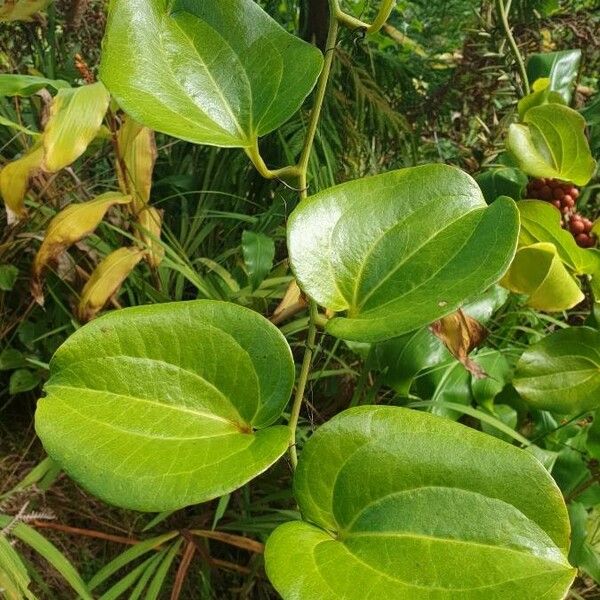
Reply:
x=302, y=166
x=503, y=13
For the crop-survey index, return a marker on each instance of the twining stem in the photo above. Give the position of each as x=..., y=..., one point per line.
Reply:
x=503, y=13
x=303, y=165
x=385, y=10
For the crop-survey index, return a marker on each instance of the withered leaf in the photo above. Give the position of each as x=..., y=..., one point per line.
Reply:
x=461, y=334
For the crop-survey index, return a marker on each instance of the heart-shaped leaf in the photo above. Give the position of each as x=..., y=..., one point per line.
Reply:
x=211, y=72
x=158, y=407
x=562, y=372
x=402, y=505
x=400, y=250
x=539, y=273
x=551, y=143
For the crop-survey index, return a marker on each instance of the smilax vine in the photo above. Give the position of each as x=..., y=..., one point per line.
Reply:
x=156, y=408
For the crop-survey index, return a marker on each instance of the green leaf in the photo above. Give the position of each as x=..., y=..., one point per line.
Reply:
x=158, y=407
x=259, y=253
x=76, y=117
x=27, y=85
x=400, y=250
x=11, y=359
x=561, y=373
x=8, y=277
x=539, y=273
x=12, y=125
x=551, y=142
x=23, y=380
x=504, y=181
x=561, y=68
x=398, y=504
x=540, y=222
x=211, y=72
x=542, y=94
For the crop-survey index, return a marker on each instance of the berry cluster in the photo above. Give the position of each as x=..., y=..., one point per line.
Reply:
x=564, y=196
x=581, y=228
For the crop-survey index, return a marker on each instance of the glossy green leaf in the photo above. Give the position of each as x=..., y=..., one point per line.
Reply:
x=76, y=117
x=159, y=407
x=259, y=253
x=390, y=511
x=504, y=181
x=561, y=373
x=538, y=272
x=27, y=85
x=561, y=68
x=400, y=250
x=551, y=142
x=211, y=72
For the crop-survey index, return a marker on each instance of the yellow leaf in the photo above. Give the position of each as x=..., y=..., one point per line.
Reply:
x=148, y=232
x=538, y=272
x=14, y=182
x=106, y=280
x=137, y=155
x=75, y=119
x=21, y=10
x=69, y=226
x=461, y=334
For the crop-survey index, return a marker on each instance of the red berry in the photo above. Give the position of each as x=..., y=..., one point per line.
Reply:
x=582, y=239
x=536, y=184
x=574, y=193
x=576, y=226
x=558, y=193
x=568, y=201
x=558, y=204
x=546, y=193
x=565, y=210
x=588, y=224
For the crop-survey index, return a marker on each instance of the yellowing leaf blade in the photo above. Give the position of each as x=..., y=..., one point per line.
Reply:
x=106, y=280
x=137, y=155
x=539, y=273
x=14, y=182
x=75, y=118
x=150, y=225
